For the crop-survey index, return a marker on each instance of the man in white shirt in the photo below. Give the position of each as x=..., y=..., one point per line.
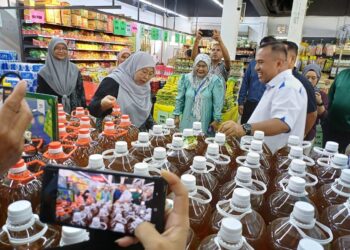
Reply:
x=126, y=194
x=282, y=109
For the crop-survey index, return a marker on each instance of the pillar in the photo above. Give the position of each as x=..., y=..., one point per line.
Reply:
x=295, y=32
x=231, y=14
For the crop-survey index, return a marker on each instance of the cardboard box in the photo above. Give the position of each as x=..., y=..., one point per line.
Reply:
x=92, y=24
x=103, y=17
x=76, y=20
x=100, y=25
x=50, y=15
x=76, y=12
x=85, y=13
x=84, y=23
x=92, y=15
x=67, y=11
x=66, y=20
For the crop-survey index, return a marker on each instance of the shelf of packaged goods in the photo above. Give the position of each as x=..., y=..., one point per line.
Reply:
x=93, y=50
x=72, y=39
x=31, y=59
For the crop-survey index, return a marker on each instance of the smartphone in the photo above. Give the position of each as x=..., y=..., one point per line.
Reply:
x=101, y=200
x=207, y=33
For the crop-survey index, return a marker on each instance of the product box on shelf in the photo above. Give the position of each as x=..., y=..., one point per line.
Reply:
x=76, y=20
x=65, y=11
x=34, y=16
x=53, y=16
x=92, y=24
x=66, y=20
x=84, y=23
x=93, y=15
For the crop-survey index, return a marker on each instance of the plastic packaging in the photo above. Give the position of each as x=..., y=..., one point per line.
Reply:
x=58, y=153
x=199, y=206
x=132, y=131
x=197, y=131
x=72, y=235
x=142, y=148
x=109, y=137
x=238, y=207
x=120, y=160
x=307, y=244
x=341, y=243
x=258, y=136
x=178, y=156
x=330, y=149
x=158, y=137
x=169, y=129
x=221, y=162
x=257, y=147
x=159, y=161
x=293, y=141
x=285, y=233
x=86, y=122
x=229, y=237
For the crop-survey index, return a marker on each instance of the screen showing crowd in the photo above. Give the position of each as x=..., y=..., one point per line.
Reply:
x=103, y=201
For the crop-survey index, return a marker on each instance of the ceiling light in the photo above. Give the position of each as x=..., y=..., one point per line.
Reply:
x=163, y=9
x=218, y=3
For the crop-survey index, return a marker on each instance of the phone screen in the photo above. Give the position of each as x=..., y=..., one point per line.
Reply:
x=103, y=201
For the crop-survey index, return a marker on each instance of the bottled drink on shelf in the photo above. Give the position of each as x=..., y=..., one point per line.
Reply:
x=229, y=237
x=243, y=179
x=265, y=161
x=158, y=138
x=333, y=193
x=221, y=162
x=19, y=184
x=96, y=162
x=132, y=131
x=199, y=207
x=58, y=153
x=23, y=230
x=337, y=218
x=85, y=148
x=122, y=160
x=197, y=131
x=341, y=243
x=258, y=136
x=178, y=156
x=285, y=233
x=142, y=148
x=280, y=204
x=238, y=207
x=170, y=129
x=109, y=137
x=327, y=171
x=330, y=149
x=307, y=244
x=204, y=176
x=72, y=235
x=252, y=161
x=296, y=168
x=159, y=161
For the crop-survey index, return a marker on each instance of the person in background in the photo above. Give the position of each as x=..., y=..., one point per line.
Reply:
x=128, y=86
x=337, y=124
x=200, y=97
x=126, y=195
x=61, y=78
x=282, y=109
x=188, y=54
x=123, y=55
x=311, y=99
x=15, y=116
x=218, y=51
x=251, y=89
x=313, y=73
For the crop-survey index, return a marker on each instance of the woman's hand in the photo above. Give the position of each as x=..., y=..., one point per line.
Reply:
x=215, y=125
x=318, y=98
x=108, y=102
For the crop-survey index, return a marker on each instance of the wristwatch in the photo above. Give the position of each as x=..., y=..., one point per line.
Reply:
x=247, y=128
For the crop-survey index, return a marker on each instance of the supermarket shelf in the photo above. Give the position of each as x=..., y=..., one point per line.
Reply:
x=43, y=47
x=73, y=39
x=32, y=59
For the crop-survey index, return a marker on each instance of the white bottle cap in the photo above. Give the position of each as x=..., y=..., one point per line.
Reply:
x=96, y=161
x=170, y=122
x=121, y=147
x=340, y=160
x=189, y=181
x=213, y=149
x=230, y=230
x=253, y=158
x=293, y=140
x=177, y=142
x=220, y=138
x=296, y=152
x=159, y=153
x=307, y=244
x=259, y=135
x=197, y=126
x=96, y=223
x=244, y=174
x=199, y=163
x=241, y=198
x=19, y=212
x=345, y=175
x=143, y=137
x=187, y=132
x=298, y=166
x=296, y=185
x=72, y=235
x=157, y=129
x=256, y=146
x=303, y=212
x=141, y=168
x=332, y=146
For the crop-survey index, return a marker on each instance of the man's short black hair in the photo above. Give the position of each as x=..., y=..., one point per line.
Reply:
x=276, y=47
x=189, y=53
x=292, y=46
x=267, y=39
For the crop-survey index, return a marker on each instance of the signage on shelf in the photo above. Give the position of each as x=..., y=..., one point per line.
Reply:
x=165, y=35
x=134, y=27
x=177, y=37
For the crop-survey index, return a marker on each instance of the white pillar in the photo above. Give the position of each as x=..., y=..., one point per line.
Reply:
x=231, y=14
x=295, y=32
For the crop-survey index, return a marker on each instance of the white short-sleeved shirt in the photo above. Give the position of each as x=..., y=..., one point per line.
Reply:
x=285, y=98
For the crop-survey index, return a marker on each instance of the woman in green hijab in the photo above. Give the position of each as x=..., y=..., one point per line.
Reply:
x=61, y=78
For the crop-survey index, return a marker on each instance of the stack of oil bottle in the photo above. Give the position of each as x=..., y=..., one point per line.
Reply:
x=241, y=195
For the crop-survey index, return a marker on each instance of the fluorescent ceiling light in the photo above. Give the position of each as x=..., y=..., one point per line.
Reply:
x=218, y=3
x=163, y=9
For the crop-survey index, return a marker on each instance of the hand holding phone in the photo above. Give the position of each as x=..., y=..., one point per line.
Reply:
x=206, y=33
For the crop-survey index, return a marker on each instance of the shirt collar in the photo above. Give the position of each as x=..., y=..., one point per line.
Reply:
x=279, y=78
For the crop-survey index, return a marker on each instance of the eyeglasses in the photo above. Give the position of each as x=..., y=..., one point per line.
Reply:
x=61, y=49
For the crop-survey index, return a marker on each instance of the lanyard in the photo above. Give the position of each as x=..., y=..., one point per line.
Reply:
x=199, y=88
